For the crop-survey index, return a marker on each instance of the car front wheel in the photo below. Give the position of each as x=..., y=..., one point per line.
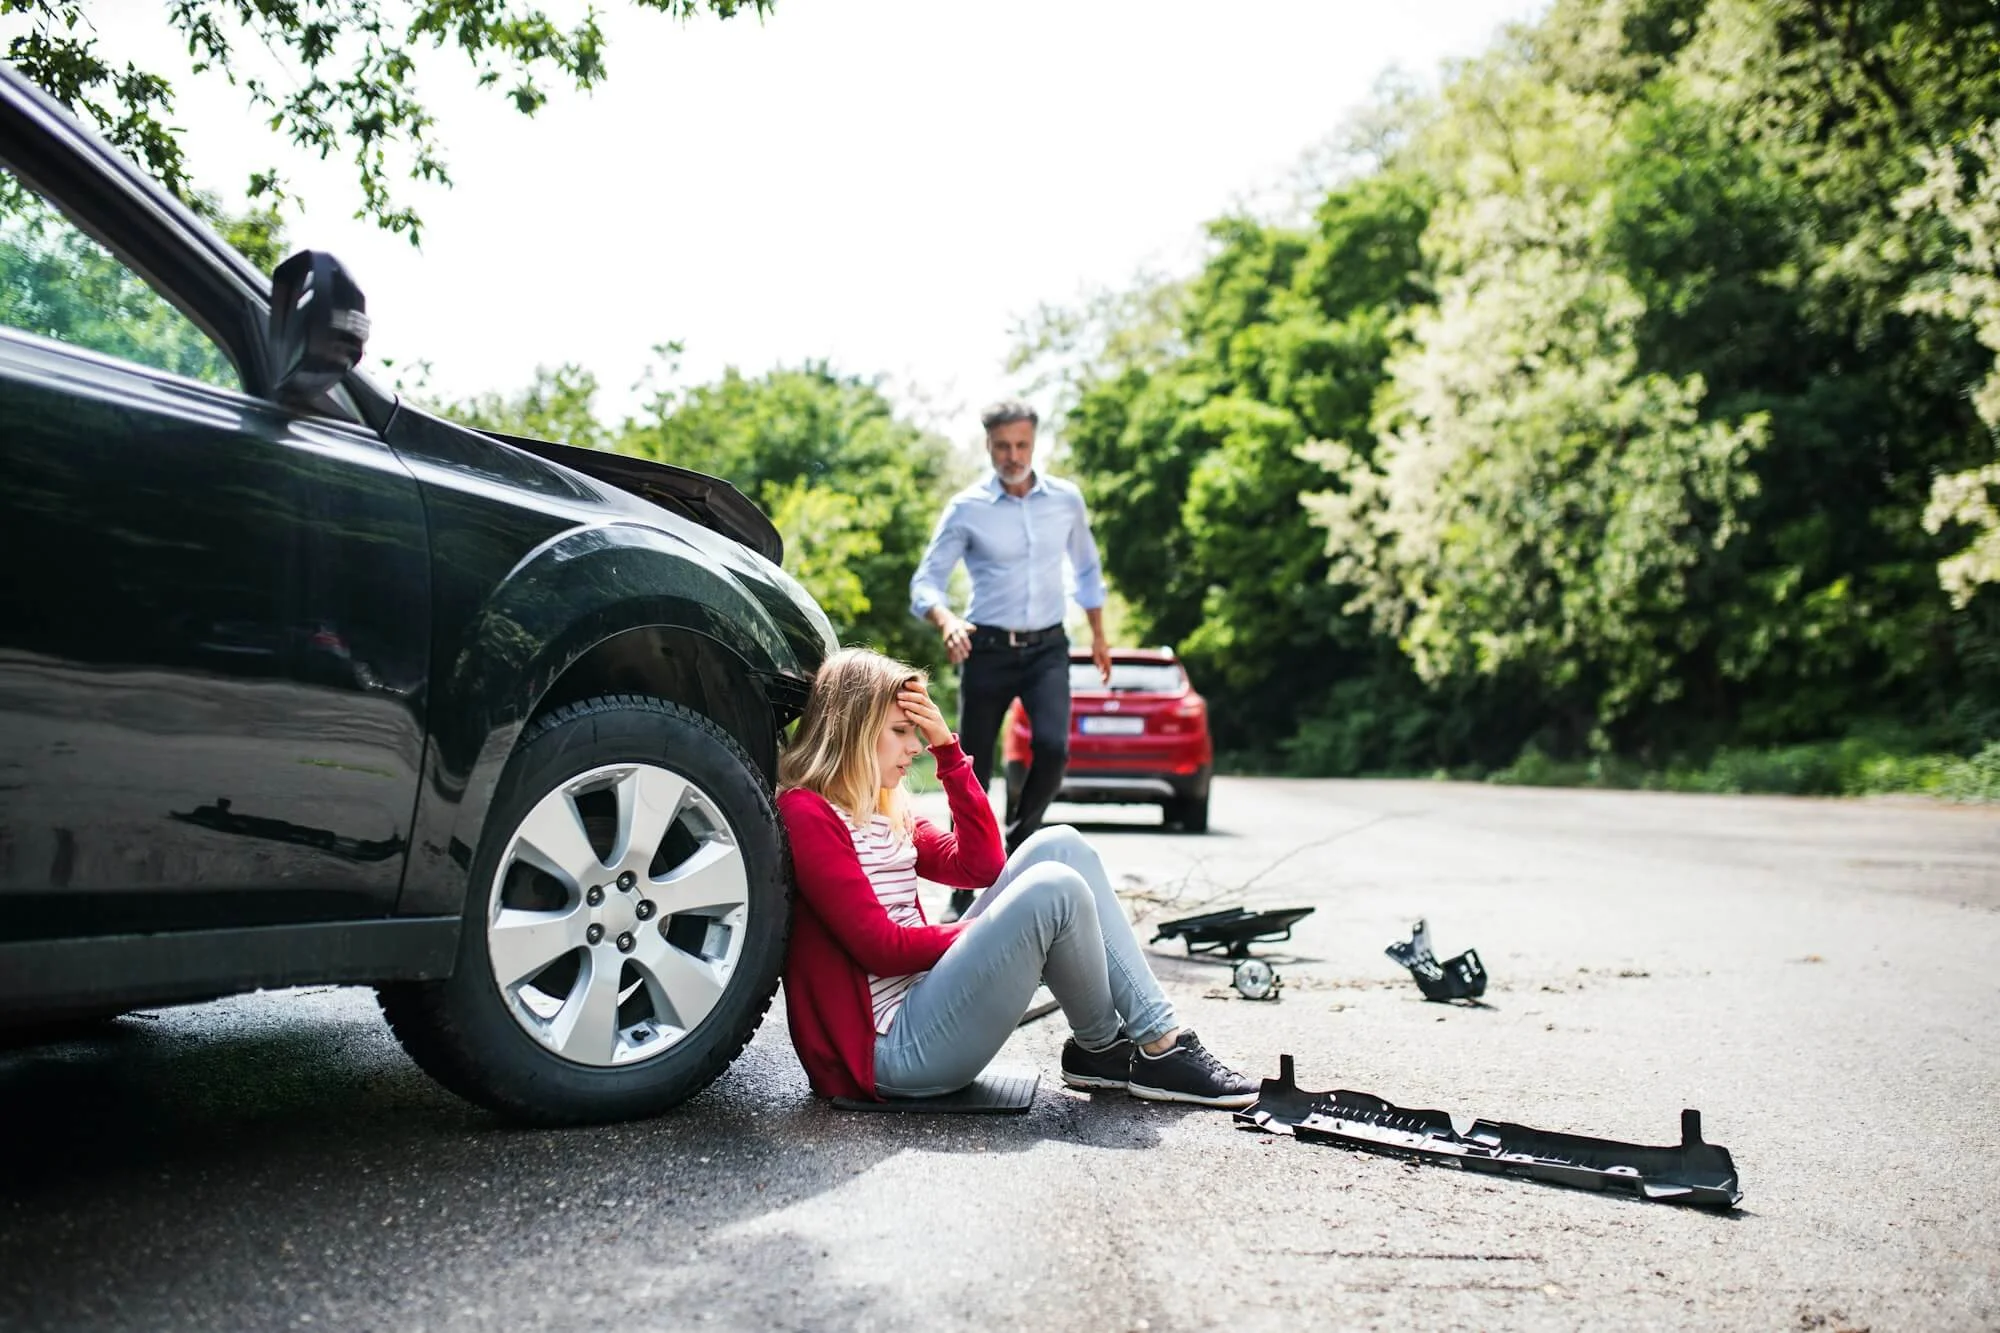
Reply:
x=625, y=923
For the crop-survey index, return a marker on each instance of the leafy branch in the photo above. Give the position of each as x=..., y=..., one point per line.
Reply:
x=351, y=67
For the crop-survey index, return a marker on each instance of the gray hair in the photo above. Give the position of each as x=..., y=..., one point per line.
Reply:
x=1005, y=411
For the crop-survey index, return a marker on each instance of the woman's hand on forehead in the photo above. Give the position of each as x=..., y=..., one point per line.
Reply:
x=915, y=703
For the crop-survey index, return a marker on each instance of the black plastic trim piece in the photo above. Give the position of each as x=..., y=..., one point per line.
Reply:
x=1692, y=1172
x=1232, y=931
x=1460, y=978
x=787, y=695
x=125, y=971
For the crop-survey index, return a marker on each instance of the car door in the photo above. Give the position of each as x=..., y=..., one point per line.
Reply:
x=214, y=616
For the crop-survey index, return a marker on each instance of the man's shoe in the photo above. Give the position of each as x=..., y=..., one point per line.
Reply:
x=1108, y=1068
x=961, y=903
x=1186, y=1072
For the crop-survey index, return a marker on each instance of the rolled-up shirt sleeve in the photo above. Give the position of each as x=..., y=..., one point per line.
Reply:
x=947, y=547
x=1083, y=559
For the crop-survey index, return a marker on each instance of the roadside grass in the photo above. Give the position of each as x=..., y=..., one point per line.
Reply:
x=1855, y=766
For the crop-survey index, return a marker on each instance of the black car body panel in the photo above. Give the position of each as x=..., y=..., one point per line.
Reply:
x=709, y=501
x=260, y=670
x=209, y=601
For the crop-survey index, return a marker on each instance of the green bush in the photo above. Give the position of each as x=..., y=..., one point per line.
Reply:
x=1866, y=765
x=1974, y=779
x=1532, y=768
x=1815, y=769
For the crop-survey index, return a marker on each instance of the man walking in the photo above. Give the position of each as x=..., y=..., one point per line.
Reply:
x=1012, y=530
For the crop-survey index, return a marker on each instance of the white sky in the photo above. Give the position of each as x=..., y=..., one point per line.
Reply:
x=886, y=184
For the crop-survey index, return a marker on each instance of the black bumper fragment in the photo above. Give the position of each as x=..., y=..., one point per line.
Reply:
x=1460, y=978
x=1232, y=931
x=1693, y=1172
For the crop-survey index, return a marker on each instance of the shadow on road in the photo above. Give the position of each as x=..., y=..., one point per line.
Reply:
x=239, y=1173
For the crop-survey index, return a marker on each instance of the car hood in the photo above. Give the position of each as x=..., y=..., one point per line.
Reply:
x=695, y=496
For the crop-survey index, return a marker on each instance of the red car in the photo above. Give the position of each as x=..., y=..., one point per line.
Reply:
x=1141, y=740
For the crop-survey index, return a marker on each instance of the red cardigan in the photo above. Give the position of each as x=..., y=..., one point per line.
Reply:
x=841, y=933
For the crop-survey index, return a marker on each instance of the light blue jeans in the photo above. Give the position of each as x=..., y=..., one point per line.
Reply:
x=1050, y=917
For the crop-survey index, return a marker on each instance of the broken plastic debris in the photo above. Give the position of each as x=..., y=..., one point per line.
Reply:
x=1693, y=1172
x=1232, y=931
x=1460, y=978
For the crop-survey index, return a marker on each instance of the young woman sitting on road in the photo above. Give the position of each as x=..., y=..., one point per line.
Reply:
x=882, y=1003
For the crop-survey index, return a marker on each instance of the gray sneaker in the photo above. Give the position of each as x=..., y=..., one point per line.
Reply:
x=1186, y=1072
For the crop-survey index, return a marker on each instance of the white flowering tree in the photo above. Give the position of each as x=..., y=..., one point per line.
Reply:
x=1962, y=186
x=1533, y=504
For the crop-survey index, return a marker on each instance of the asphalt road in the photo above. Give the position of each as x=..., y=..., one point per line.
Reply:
x=1819, y=978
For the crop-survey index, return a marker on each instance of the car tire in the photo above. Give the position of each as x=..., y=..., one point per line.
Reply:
x=1190, y=812
x=584, y=789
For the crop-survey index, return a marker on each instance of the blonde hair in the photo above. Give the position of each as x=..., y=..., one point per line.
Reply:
x=834, y=751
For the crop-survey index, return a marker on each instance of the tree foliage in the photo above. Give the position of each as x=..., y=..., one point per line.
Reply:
x=350, y=76
x=559, y=405
x=1533, y=504
x=1962, y=186
x=1630, y=403
x=853, y=489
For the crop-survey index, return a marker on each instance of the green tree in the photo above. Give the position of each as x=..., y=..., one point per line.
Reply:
x=1962, y=185
x=559, y=405
x=1191, y=458
x=351, y=70
x=1661, y=438
x=854, y=490
x=1535, y=506
x=1757, y=216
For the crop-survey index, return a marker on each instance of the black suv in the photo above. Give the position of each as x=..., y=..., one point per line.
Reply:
x=301, y=684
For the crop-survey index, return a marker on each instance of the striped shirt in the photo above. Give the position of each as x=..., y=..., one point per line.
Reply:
x=890, y=861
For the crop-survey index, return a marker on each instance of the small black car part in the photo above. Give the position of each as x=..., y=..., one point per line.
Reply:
x=1232, y=931
x=1692, y=1172
x=1460, y=978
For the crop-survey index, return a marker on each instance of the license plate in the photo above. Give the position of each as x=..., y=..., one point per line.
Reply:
x=1112, y=726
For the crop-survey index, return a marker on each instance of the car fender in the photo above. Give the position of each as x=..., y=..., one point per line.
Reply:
x=564, y=597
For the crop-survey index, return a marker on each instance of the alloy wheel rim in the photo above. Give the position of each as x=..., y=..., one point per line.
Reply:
x=616, y=917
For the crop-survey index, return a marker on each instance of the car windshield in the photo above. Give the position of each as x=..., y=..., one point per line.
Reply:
x=1151, y=677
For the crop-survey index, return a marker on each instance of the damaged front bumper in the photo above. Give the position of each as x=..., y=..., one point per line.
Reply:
x=1694, y=1173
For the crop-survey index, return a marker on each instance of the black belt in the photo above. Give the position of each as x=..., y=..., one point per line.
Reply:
x=1014, y=638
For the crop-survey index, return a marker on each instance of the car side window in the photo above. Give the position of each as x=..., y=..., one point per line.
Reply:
x=57, y=282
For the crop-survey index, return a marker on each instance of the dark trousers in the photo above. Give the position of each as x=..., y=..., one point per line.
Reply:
x=1038, y=675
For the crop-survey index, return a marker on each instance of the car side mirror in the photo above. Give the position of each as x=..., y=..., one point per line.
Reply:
x=319, y=325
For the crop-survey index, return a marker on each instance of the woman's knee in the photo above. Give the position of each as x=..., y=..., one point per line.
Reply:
x=1053, y=890
x=1056, y=842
